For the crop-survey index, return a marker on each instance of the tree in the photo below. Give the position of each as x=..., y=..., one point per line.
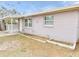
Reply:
x=7, y=12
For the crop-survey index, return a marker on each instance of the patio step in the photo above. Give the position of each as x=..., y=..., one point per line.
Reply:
x=63, y=44
x=35, y=37
x=45, y=40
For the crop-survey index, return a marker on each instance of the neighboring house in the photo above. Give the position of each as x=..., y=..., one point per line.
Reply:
x=59, y=24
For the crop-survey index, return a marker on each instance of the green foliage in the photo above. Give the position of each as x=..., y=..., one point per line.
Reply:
x=8, y=21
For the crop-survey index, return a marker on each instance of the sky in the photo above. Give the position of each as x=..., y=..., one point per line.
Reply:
x=27, y=7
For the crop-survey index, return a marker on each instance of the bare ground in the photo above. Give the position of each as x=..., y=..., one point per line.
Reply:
x=23, y=46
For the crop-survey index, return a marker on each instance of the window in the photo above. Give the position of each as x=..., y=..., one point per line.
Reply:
x=28, y=22
x=48, y=20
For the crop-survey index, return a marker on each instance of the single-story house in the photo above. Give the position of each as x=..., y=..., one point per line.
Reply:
x=61, y=25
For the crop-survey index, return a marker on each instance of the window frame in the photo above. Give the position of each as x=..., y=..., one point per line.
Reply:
x=47, y=20
x=28, y=22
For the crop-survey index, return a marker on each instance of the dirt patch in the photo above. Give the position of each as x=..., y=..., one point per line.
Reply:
x=9, y=45
x=21, y=46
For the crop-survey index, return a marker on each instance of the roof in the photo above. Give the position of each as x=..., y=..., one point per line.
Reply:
x=53, y=11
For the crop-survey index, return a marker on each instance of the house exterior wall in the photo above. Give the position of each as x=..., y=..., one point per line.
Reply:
x=64, y=28
x=78, y=26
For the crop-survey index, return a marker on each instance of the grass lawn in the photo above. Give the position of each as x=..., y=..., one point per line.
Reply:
x=30, y=47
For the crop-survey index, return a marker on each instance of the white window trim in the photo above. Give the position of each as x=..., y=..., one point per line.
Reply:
x=46, y=25
x=28, y=21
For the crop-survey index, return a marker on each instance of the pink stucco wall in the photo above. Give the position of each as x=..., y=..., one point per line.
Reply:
x=64, y=27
